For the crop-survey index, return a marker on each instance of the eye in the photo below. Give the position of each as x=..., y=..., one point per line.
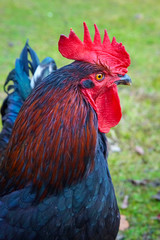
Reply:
x=100, y=76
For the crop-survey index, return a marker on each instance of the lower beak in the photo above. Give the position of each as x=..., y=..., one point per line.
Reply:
x=124, y=80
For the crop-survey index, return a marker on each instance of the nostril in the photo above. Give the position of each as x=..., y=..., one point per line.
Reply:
x=120, y=75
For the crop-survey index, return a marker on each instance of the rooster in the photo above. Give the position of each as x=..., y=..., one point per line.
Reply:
x=55, y=182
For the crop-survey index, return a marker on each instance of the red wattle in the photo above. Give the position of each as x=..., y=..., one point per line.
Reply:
x=108, y=109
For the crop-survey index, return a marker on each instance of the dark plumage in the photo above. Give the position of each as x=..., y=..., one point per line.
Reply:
x=55, y=182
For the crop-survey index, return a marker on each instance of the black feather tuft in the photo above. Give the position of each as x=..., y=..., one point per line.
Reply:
x=87, y=84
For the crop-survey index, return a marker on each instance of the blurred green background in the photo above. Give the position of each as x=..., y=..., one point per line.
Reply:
x=134, y=143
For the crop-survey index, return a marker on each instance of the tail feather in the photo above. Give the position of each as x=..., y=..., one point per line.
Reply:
x=23, y=68
x=27, y=64
x=19, y=85
x=47, y=66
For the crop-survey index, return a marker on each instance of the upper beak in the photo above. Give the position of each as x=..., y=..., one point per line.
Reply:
x=124, y=80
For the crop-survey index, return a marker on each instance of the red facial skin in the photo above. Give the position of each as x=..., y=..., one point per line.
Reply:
x=104, y=98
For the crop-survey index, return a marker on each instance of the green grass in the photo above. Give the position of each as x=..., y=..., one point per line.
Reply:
x=137, y=25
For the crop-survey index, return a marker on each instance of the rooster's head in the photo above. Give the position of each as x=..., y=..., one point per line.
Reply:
x=110, y=61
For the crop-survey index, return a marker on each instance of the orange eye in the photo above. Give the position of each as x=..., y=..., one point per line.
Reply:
x=99, y=76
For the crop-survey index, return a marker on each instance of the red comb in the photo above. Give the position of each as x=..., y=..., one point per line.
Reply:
x=112, y=54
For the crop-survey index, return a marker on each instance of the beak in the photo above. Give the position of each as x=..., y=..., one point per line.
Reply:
x=124, y=80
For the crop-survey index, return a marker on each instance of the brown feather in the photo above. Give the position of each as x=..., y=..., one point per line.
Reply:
x=53, y=142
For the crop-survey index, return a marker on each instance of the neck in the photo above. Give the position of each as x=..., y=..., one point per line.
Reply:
x=61, y=129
